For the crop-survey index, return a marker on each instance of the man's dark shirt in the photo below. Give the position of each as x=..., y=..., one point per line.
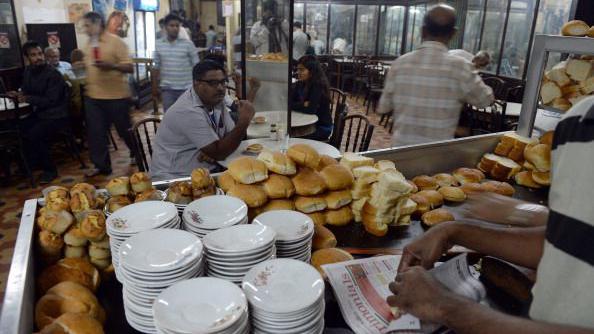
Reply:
x=46, y=91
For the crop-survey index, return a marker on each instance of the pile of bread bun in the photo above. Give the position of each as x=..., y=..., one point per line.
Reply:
x=301, y=180
x=127, y=190
x=526, y=160
x=200, y=185
x=569, y=81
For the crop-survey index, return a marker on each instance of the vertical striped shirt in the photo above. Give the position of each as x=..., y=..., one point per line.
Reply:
x=175, y=61
x=564, y=289
x=426, y=89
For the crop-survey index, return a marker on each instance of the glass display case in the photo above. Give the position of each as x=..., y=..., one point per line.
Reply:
x=10, y=44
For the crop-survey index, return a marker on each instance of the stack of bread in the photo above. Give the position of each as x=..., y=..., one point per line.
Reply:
x=526, y=160
x=82, y=235
x=201, y=184
x=127, y=190
x=68, y=301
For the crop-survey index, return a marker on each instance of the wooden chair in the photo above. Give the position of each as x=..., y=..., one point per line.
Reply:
x=498, y=87
x=11, y=138
x=486, y=120
x=358, y=133
x=142, y=133
x=515, y=94
x=338, y=109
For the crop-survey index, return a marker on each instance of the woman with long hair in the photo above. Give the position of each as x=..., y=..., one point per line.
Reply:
x=311, y=95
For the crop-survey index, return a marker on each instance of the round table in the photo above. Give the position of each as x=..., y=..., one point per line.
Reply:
x=6, y=104
x=545, y=120
x=301, y=124
x=274, y=145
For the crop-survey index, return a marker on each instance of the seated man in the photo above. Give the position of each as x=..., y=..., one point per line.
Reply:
x=52, y=56
x=46, y=91
x=198, y=130
x=563, y=252
x=481, y=60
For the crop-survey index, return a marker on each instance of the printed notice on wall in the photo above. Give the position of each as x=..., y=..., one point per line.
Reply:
x=4, y=40
x=53, y=39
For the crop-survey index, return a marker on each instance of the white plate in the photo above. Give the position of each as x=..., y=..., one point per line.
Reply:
x=140, y=217
x=203, y=304
x=271, y=285
x=239, y=239
x=214, y=212
x=288, y=225
x=160, y=250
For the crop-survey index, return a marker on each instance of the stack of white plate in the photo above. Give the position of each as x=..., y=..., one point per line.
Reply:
x=182, y=207
x=285, y=296
x=202, y=305
x=150, y=262
x=211, y=213
x=233, y=251
x=294, y=233
x=135, y=218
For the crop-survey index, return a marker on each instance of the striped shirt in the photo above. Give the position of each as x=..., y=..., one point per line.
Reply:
x=426, y=89
x=564, y=289
x=175, y=61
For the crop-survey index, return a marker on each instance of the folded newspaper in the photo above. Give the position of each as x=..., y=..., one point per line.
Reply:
x=361, y=288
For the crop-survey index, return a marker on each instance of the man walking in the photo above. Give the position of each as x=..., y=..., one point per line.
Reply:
x=107, y=98
x=174, y=59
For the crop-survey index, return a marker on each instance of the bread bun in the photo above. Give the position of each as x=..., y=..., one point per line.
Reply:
x=118, y=186
x=578, y=70
x=318, y=218
x=308, y=182
x=374, y=222
x=590, y=32
x=279, y=204
x=83, y=187
x=73, y=323
x=354, y=160
x=338, y=199
x=93, y=225
x=99, y=253
x=117, y=202
x=393, y=180
x=357, y=208
x=323, y=238
x=340, y=217
x=82, y=200
x=180, y=193
x=328, y=256
x=248, y=170
x=278, y=163
x=422, y=204
x=204, y=192
x=562, y=103
x=58, y=203
x=437, y=216
x=425, y=182
x=575, y=28
x=468, y=175
x=226, y=181
x=499, y=168
x=103, y=243
x=140, y=182
x=57, y=222
x=71, y=269
x=501, y=188
x=549, y=91
x=452, y=194
x=278, y=186
x=408, y=207
x=50, y=243
x=414, y=189
x=200, y=178
x=434, y=197
x=366, y=174
x=512, y=145
x=540, y=156
x=75, y=236
x=101, y=263
x=310, y=204
x=361, y=190
x=471, y=188
x=525, y=179
x=337, y=177
x=253, y=195
x=67, y=297
x=304, y=155
x=326, y=160
x=558, y=75
x=148, y=195
x=445, y=180
x=542, y=178
x=57, y=192
x=384, y=165
x=402, y=221
x=75, y=252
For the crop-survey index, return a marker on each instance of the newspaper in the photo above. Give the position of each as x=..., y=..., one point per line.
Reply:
x=361, y=288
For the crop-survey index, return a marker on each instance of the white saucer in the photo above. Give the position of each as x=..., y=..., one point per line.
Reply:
x=239, y=239
x=140, y=217
x=288, y=225
x=215, y=212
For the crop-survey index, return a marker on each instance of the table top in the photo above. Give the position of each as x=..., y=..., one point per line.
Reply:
x=298, y=119
x=321, y=147
x=6, y=104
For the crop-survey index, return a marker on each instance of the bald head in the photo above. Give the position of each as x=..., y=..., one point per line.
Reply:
x=439, y=24
x=52, y=55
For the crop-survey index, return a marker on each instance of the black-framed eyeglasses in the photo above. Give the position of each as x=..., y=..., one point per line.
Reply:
x=216, y=83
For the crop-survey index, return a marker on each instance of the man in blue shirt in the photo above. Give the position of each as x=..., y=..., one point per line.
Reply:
x=174, y=59
x=52, y=56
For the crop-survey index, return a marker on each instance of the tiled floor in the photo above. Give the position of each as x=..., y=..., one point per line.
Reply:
x=13, y=195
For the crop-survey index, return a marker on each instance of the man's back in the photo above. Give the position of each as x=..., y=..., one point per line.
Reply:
x=299, y=44
x=426, y=90
x=175, y=60
x=211, y=38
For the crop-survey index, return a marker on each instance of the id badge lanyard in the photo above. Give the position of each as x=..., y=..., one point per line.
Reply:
x=216, y=126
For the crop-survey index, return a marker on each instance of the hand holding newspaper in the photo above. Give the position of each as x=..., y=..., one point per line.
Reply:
x=361, y=288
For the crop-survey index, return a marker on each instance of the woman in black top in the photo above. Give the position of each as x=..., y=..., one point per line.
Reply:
x=311, y=95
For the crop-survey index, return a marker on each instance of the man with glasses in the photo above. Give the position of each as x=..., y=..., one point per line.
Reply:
x=198, y=130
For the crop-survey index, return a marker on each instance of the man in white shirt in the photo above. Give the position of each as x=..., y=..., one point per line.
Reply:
x=481, y=60
x=300, y=42
x=211, y=37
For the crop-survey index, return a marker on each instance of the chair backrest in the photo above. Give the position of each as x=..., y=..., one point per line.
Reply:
x=337, y=110
x=358, y=132
x=497, y=85
x=142, y=133
x=9, y=111
x=486, y=120
x=515, y=94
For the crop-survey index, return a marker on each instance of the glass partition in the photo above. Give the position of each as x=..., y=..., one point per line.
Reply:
x=472, y=26
x=316, y=16
x=367, y=17
x=342, y=19
x=391, y=29
x=298, y=9
x=493, y=31
x=415, y=24
x=517, y=38
x=551, y=16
